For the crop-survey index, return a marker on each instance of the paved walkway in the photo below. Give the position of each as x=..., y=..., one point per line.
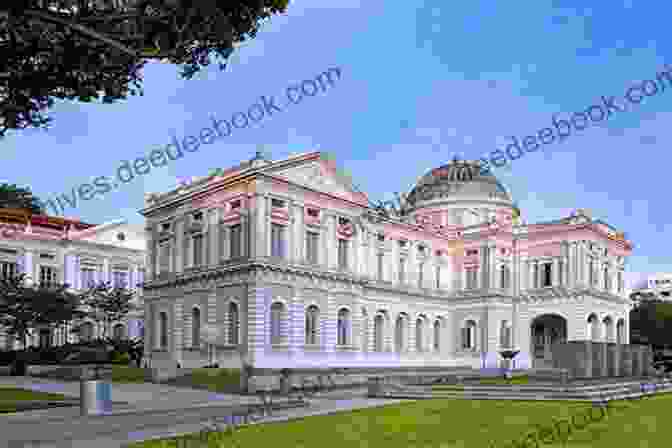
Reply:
x=151, y=411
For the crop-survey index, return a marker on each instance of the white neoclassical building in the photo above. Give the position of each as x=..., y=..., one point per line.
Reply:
x=287, y=265
x=61, y=250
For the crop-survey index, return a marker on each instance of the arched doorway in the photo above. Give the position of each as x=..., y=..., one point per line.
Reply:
x=546, y=330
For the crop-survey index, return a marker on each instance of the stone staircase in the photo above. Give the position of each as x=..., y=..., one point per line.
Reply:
x=589, y=392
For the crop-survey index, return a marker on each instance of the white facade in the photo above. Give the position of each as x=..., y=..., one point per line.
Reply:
x=291, y=268
x=66, y=251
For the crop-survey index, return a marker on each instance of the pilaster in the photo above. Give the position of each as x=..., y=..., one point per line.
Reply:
x=291, y=232
x=299, y=232
x=213, y=240
x=256, y=312
x=177, y=342
x=484, y=274
x=492, y=266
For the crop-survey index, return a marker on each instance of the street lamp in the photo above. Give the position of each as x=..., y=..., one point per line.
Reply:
x=516, y=230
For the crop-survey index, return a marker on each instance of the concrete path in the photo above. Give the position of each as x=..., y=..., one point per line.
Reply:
x=56, y=428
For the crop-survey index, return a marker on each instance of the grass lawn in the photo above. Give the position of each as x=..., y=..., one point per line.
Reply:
x=9, y=396
x=458, y=423
x=127, y=374
x=215, y=380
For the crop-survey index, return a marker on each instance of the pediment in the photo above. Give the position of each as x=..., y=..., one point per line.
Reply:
x=322, y=176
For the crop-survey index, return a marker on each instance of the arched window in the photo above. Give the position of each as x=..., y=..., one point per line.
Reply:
x=163, y=330
x=343, y=326
x=594, y=328
x=119, y=332
x=86, y=332
x=505, y=334
x=312, y=322
x=378, y=326
x=469, y=335
x=276, y=321
x=608, y=329
x=234, y=323
x=419, y=334
x=195, y=327
x=620, y=331
x=399, y=333
x=437, y=335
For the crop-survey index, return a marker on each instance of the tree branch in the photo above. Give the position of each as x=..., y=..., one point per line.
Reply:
x=83, y=30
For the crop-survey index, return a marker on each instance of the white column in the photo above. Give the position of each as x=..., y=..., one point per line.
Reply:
x=556, y=272
x=267, y=226
x=299, y=232
x=493, y=267
x=291, y=232
x=106, y=270
x=178, y=254
x=214, y=237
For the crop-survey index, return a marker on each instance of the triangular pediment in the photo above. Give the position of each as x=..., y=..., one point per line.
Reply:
x=321, y=175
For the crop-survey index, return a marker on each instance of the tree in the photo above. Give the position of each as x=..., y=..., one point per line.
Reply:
x=15, y=197
x=651, y=323
x=95, y=49
x=108, y=304
x=24, y=306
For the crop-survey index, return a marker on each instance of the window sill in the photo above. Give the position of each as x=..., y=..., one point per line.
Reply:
x=280, y=347
x=312, y=347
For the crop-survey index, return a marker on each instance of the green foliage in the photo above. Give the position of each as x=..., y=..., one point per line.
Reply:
x=15, y=197
x=108, y=304
x=24, y=306
x=651, y=323
x=87, y=50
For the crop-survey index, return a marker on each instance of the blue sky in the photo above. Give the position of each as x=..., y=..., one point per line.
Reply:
x=421, y=82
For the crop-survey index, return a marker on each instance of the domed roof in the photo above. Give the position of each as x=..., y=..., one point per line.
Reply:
x=454, y=181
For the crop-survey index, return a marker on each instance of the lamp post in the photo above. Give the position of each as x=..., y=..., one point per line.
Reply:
x=516, y=231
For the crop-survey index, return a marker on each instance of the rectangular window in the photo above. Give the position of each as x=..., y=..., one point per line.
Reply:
x=342, y=254
x=561, y=270
x=402, y=270
x=198, y=250
x=591, y=273
x=472, y=278
x=277, y=203
x=380, y=267
x=7, y=270
x=547, y=280
x=235, y=243
x=277, y=240
x=47, y=276
x=164, y=258
x=438, y=277
x=421, y=268
x=620, y=281
x=536, y=276
x=312, y=240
